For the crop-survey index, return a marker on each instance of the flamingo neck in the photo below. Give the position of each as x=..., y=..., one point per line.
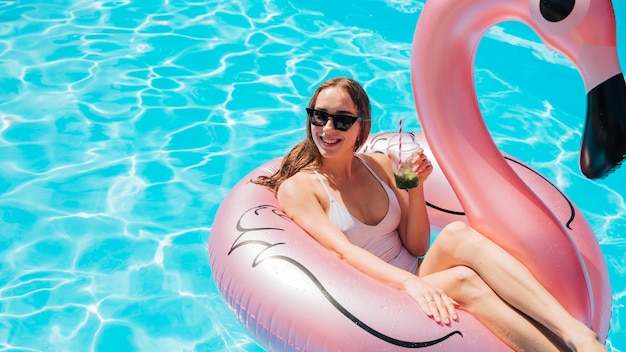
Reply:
x=443, y=82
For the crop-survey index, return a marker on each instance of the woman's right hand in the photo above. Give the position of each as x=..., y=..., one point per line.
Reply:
x=433, y=301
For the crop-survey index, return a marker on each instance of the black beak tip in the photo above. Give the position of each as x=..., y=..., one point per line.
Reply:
x=603, y=146
x=598, y=171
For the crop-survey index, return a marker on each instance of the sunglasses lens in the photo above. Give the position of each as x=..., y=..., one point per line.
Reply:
x=343, y=123
x=318, y=118
x=340, y=122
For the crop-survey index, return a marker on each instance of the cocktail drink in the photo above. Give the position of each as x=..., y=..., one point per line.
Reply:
x=401, y=156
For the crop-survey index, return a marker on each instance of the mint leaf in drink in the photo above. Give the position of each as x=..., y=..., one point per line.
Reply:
x=406, y=181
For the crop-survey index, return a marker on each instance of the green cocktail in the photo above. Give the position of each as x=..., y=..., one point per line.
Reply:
x=407, y=179
x=401, y=157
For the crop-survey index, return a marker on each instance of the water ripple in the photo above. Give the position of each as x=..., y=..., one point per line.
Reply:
x=123, y=125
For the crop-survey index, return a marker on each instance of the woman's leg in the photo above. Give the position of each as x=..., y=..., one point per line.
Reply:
x=474, y=296
x=458, y=244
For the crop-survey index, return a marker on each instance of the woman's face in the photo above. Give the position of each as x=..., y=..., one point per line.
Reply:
x=329, y=141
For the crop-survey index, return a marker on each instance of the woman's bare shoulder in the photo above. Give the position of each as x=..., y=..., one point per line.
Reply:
x=299, y=195
x=298, y=185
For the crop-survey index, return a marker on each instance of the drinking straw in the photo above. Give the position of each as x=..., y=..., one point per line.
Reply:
x=400, y=144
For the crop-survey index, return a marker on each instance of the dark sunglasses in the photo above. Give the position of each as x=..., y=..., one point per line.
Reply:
x=340, y=122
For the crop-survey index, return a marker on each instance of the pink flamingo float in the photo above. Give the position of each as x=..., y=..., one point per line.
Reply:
x=446, y=39
x=293, y=295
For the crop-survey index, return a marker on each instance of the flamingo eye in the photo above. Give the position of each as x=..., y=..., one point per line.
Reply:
x=556, y=10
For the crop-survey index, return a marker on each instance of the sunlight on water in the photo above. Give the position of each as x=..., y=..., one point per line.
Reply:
x=123, y=125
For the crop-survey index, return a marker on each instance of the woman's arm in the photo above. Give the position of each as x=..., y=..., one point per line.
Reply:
x=416, y=231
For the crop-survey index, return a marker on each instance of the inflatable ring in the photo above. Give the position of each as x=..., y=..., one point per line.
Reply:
x=291, y=294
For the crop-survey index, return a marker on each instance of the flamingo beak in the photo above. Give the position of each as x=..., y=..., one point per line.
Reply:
x=603, y=146
x=585, y=32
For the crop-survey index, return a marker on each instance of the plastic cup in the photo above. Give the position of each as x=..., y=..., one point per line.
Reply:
x=401, y=163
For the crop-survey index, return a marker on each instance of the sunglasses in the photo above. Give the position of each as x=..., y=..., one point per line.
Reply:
x=340, y=122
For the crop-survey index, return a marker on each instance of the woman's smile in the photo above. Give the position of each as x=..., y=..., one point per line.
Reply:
x=329, y=141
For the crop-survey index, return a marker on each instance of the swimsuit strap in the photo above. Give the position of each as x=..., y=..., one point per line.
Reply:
x=370, y=170
x=323, y=185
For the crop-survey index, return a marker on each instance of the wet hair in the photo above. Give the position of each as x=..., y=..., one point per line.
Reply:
x=305, y=154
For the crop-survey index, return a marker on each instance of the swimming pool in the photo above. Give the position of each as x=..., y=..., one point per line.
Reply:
x=123, y=124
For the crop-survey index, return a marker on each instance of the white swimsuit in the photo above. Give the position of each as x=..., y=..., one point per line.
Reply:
x=382, y=239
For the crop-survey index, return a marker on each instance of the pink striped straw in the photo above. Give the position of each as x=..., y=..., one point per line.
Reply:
x=400, y=144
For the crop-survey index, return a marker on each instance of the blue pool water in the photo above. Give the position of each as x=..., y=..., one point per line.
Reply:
x=123, y=124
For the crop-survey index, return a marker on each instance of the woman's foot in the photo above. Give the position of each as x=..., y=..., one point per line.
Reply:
x=586, y=342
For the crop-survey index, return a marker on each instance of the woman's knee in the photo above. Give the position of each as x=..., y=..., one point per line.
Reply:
x=459, y=235
x=456, y=227
x=471, y=288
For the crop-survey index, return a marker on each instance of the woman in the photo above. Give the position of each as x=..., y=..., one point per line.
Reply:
x=349, y=203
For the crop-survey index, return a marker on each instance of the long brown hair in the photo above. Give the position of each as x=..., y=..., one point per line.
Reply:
x=305, y=155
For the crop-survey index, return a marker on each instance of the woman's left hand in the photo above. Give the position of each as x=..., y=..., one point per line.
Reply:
x=422, y=166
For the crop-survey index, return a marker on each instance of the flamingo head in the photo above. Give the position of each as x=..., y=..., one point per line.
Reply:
x=585, y=32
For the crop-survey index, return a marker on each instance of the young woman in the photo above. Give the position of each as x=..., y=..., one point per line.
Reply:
x=349, y=203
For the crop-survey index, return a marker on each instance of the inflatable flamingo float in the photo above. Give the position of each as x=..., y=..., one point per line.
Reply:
x=442, y=73
x=291, y=294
